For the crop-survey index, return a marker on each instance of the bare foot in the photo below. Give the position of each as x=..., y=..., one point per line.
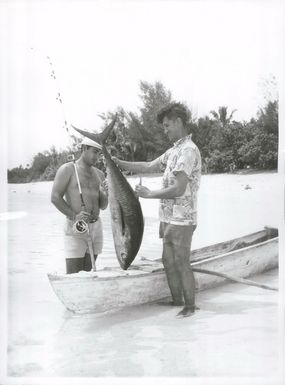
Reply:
x=187, y=311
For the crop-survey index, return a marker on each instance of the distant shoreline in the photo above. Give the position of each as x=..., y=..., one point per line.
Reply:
x=251, y=171
x=236, y=172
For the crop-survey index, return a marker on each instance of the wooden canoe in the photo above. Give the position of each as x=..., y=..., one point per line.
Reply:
x=113, y=288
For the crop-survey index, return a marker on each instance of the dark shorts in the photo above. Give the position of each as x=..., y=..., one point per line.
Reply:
x=74, y=265
x=176, y=234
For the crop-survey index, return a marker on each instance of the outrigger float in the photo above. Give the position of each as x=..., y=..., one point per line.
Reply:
x=114, y=288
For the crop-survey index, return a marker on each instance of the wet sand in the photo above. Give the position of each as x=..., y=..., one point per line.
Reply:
x=234, y=334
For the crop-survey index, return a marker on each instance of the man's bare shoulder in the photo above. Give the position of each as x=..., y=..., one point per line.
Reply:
x=65, y=168
x=62, y=178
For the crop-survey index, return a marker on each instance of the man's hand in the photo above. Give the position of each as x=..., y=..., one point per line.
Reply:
x=143, y=191
x=105, y=186
x=116, y=161
x=83, y=215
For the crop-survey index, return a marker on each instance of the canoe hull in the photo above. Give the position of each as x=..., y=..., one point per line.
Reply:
x=242, y=263
x=114, y=289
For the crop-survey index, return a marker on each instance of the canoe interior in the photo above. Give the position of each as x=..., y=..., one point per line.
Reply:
x=145, y=266
x=228, y=246
x=234, y=244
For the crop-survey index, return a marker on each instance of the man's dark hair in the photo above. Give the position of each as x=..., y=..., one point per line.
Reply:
x=173, y=111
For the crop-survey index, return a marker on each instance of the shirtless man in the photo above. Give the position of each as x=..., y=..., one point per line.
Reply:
x=66, y=198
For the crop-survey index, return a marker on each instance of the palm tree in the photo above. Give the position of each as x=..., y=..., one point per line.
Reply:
x=222, y=116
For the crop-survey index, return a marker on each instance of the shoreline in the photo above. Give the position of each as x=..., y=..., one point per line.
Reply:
x=147, y=175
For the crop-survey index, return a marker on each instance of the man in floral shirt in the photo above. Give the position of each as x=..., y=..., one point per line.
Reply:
x=181, y=165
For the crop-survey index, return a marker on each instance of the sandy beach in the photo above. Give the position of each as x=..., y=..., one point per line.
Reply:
x=235, y=334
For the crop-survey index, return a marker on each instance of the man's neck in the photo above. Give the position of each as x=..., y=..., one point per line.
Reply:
x=81, y=163
x=182, y=134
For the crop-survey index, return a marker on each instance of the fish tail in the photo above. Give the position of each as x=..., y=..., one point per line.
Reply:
x=99, y=138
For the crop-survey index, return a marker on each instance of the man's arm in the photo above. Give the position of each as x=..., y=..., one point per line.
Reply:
x=170, y=192
x=139, y=167
x=60, y=184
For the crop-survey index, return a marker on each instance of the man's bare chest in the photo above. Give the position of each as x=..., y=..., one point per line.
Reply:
x=88, y=180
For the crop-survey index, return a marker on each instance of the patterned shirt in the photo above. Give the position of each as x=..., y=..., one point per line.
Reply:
x=183, y=156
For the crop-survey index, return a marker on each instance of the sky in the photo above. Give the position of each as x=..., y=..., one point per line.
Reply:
x=207, y=53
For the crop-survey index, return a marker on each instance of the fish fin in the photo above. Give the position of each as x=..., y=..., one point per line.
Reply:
x=99, y=138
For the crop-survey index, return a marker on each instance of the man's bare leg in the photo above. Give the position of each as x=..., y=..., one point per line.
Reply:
x=186, y=274
x=172, y=275
x=187, y=281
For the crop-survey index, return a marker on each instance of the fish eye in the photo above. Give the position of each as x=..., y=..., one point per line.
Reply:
x=123, y=256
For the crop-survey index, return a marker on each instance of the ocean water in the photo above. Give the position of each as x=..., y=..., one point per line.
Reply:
x=44, y=339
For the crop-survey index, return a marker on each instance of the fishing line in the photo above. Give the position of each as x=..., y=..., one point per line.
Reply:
x=59, y=98
x=80, y=226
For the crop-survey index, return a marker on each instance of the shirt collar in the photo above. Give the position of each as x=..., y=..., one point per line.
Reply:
x=182, y=140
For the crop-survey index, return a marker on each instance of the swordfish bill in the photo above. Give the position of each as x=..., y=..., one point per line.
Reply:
x=126, y=213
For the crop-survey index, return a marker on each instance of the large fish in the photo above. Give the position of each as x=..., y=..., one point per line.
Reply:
x=126, y=213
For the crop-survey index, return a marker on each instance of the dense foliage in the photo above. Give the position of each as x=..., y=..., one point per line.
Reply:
x=225, y=144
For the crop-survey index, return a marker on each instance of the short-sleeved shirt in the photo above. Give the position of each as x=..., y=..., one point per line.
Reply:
x=183, y=156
